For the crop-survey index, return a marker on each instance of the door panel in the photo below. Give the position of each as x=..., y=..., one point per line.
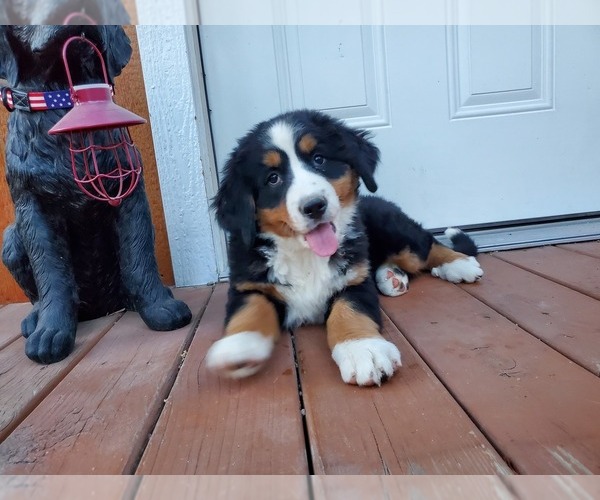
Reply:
x=476, y=124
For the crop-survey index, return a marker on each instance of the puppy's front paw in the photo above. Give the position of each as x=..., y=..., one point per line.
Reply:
x=239, y=355
x=366, y=361
x=167, y=314
x=391, y=281
x=467, y=270
x=49, y=344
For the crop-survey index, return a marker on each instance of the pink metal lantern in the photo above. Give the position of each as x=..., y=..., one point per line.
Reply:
x=99, y=141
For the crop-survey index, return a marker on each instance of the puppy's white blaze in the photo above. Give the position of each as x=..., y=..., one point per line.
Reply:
x=467, y=270
x=305, y=184
x=366, y=361
x=239, y=355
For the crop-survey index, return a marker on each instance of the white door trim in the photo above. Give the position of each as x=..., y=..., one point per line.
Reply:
x=183, y=148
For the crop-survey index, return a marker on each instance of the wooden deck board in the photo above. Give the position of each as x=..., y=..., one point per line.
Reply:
x=475, y=374
x=219, y=426
x=66, y=487
x=19, y=372
x=223, y=487
x=98, y=418
x=573, y=269
x=563, y=318
x=555, y=487
x=539, y=409
x=431, y=488
x=591, y=248
x=409, y=425
x=10, y=322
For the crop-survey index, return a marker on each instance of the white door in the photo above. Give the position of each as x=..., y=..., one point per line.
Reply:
x=476, y=125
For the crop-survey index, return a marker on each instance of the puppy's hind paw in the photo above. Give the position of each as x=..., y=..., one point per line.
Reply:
x=168, y=314
x=391, y=281
x=239, y=355
x=465, y=269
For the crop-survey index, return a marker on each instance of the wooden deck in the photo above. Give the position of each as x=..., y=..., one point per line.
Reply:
x=500, y=377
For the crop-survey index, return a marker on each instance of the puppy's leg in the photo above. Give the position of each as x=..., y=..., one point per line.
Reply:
x=251, y=329
x=51, y=327
x=363, y=356
x=392, y=276
x=16, y=260
x=139, y=270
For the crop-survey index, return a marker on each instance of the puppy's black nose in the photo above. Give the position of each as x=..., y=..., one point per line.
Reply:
x=315, y=208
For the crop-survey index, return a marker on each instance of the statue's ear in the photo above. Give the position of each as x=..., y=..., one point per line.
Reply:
x=117, y=49
x=8, y=61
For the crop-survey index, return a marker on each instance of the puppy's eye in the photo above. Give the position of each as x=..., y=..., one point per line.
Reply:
x=319, y=160
x=273, y=179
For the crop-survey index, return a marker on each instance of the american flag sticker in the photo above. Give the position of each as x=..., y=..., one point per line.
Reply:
x=39, y=101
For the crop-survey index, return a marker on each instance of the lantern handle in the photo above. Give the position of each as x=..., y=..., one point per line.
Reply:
x=68, y=71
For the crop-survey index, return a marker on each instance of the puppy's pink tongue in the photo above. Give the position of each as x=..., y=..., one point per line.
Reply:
x=322, y=240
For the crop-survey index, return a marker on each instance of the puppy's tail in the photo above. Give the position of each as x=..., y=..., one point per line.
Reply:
x=461, y=242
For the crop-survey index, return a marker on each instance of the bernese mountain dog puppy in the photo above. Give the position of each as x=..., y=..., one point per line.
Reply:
x=306, y=248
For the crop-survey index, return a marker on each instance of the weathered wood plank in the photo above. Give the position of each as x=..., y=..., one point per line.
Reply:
x=430, y=487
x=10, y=322
x=65, y=487
x=24, y=383
x=212, y=425
x=572, y=269
x=539, y=409
x=223, y=487
x=563, y=318
x=591, y=248
x=98, y=418
x=554, y=487
x=409, y=425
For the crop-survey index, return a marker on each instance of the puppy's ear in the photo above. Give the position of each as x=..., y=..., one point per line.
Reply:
x=117, y=49
x=8, y=62
x=234, y=202
x=364, y=156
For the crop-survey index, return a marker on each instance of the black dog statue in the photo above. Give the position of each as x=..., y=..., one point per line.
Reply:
x=75, y=258
x=63, y=12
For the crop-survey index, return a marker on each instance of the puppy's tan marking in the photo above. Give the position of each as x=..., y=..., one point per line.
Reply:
x=265, y=288
x=408, y=261
x=439, y=254
x=361, y=271
x=272, y=159
x=257, y=315
x=344, y=323
x=307, y=144
x=346, y=188
x=275, y=220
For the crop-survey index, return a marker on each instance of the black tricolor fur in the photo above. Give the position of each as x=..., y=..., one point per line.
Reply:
x=55, y=12
x=74, y=257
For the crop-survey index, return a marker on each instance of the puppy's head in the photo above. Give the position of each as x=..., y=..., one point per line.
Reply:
x=32, y=54
x=296, y=176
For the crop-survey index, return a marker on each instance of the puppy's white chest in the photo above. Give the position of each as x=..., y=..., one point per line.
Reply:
x=307, y=282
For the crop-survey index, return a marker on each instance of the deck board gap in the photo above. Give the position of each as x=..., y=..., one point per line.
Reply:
x=302, y=409
x=133, y=466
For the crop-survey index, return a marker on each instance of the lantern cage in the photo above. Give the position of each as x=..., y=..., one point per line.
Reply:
x=106, y=165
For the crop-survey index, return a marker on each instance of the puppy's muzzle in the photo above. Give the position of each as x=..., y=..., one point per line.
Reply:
x=314, y=208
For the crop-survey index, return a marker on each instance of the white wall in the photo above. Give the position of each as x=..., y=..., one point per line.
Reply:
x=178, y=136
